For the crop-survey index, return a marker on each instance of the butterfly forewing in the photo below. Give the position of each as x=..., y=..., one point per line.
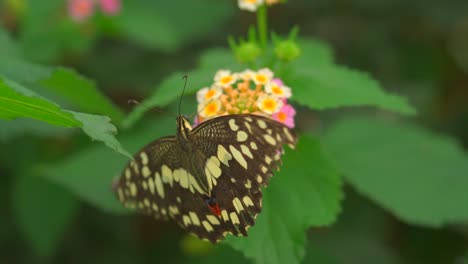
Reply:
x=224, y=161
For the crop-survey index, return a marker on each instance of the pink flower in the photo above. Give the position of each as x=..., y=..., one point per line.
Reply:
x=277, y=81
x=80, y=10
x=285, y=115
x=110, y=7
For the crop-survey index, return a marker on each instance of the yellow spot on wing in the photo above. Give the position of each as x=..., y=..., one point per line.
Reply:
x=261, y=124
x=232, y=125
x=184, y=181
x=194, y=184
x=194, y=218
x=213, y=166
x=223, y=155
x=288, y=134
x=133, y=189
x=249, y=128
x=241, y=136
x=253, y=145
x=166, y=174
x=225, y=215
x=238, y=156
x=174, y=210
x=234, y=218
x=246, y=151
x=151, y=185
x=207, y=226
x=145, y=171
x=209, y=178
x=159, y=185
x=237, y=204
x=247, y=201
x=213, y=219
x=144, y=158
x=269, y=139
x=186, y=220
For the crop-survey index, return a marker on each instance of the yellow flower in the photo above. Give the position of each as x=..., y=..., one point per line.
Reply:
x=269, y=104
x=209, y=110
x=250, y=5
x=247, y=75
x=278, y=90
x=206, y=94
x=224, y=78
x=263, y=76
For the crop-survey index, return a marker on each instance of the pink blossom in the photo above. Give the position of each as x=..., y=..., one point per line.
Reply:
x=285, y=115
x=278, y=81
x=110, y=7
x=80, y=10
x=196, y=121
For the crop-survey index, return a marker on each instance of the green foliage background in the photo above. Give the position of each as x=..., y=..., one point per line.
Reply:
x=380, y=174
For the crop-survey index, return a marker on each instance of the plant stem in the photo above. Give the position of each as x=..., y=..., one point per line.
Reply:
x=262, y=25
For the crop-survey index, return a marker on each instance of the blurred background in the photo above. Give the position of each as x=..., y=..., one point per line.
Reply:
x=415, y=48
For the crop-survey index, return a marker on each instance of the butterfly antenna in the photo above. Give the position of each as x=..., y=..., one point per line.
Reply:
x=183, y=91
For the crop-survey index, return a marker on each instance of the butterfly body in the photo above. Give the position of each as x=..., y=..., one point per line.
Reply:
x=208, y=179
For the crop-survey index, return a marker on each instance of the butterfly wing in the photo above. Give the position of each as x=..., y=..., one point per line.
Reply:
x=160, y=181
x=236, y=154
x=241, y=152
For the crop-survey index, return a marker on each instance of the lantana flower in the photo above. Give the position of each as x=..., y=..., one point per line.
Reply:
x=81, y=10
x=110, y=7
x=208, y=93
x=250, y=5
x=263, y=76
x=285, y=115
x=246, y=92
x=224, y=78
x=278, y=89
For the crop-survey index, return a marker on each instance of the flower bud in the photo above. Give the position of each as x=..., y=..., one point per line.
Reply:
x=287, y=50
x=247, y=52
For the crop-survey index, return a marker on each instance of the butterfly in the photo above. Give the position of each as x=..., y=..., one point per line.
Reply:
x=208, y=179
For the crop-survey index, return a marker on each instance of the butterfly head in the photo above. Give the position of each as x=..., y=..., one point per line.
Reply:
x=183, y=127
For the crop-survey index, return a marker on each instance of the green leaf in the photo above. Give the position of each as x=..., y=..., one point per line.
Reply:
x=65, y=84
x=90, y=172
x=22, y=71
x=167, y=92
x=334, y=86
x=17, y=101
x=99, y=128
x=299, y=196
x=314, y=53
x=167, y=26
x=419, y=176
x=359, y=236
x=7, y=45
x=47, y=33
x=219, y=59
x=81, y=92
x=23, y=126
x=43, y=211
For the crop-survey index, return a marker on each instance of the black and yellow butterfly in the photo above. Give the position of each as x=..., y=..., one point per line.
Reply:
x=207, y=179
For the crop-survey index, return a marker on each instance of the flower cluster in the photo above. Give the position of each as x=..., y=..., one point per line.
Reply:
x=252, y=5
x=255, y=92
x=81, y=10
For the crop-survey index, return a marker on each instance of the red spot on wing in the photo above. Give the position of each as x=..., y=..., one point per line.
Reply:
x=215, y=209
